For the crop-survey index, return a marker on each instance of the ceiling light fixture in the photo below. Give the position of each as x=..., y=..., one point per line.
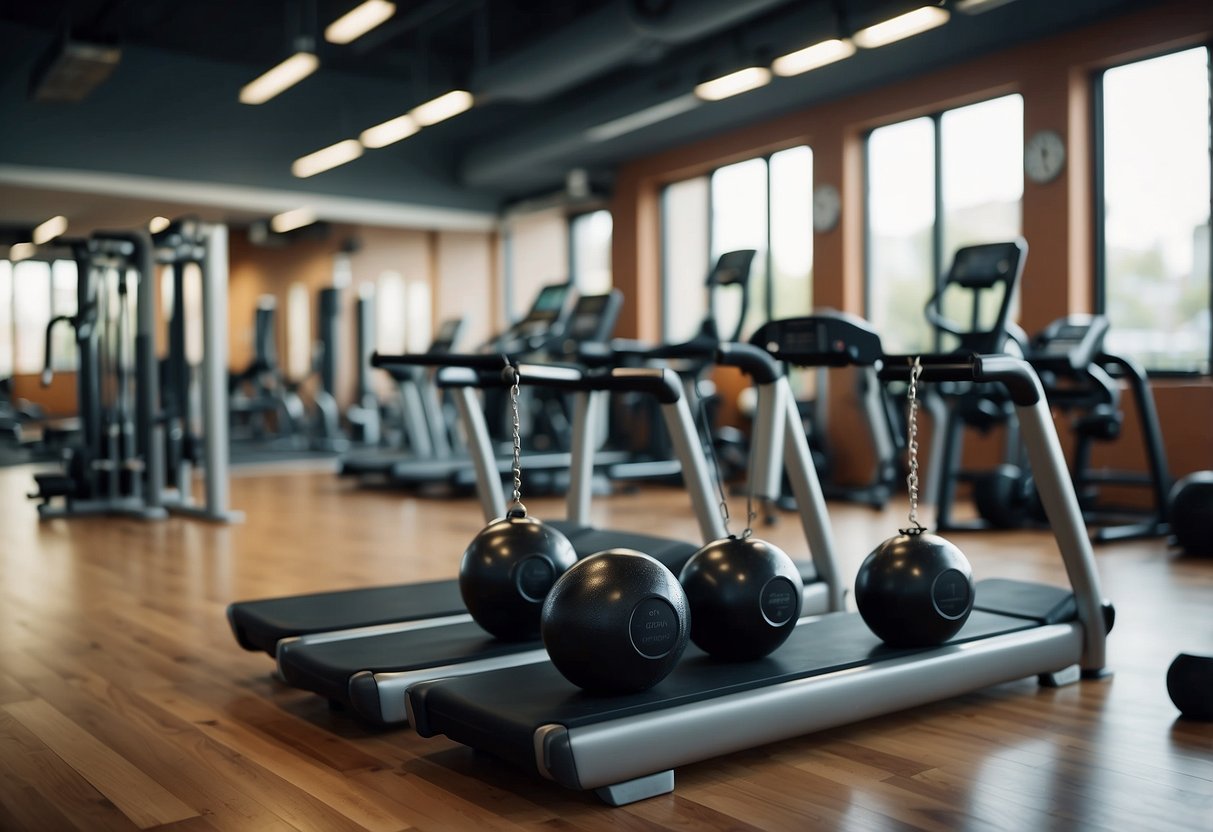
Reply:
x=735, y=83
x=443, y=107
x=22, y=251
x=643, y=118
x=358, y=21
x=290, y=220
x=389, y=132
x=49, y=230
x=812, y=57
x=326, y=158
x=903, y=26
x=158, y=224
x=978, y=6
x=279, y=79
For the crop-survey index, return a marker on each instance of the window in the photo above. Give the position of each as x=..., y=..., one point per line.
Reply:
x=739, y=221
x=7, y=332
x=684, y=253
x=63, y=302
x=590, y=252
x=536, y=254
x=298, y=332
x=419, y=329
x=1154, y=248
x=791, y=232
x=763, y=203
x=31, y=311
x=390, y=313
x=919, y=212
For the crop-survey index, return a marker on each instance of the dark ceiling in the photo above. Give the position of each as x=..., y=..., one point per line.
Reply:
x=545, y=72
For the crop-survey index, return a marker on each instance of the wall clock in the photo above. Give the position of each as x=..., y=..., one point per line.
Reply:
x=1044, y=156
x=827, y=205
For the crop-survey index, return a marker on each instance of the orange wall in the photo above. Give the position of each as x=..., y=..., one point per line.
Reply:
x=1053, y=75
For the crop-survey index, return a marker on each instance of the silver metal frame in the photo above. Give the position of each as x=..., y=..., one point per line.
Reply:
x=638, y=746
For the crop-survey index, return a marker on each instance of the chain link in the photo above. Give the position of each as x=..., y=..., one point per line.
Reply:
x=912, y=443
x=514, y=376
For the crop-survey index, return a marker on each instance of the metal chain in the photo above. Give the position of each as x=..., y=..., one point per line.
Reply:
x=511, y=373
x=912, y=445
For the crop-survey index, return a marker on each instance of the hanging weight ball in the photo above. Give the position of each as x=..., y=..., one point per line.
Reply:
x=915, y=590
x=616, y=622
x=1191, y=513
x=745, y=597
x=1190, y=685
x=507, y=571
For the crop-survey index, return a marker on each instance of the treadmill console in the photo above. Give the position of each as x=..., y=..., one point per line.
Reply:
x=593, y=318
x=547, y=312
x=984, y=266
x=1069, y=344
x=834, y=339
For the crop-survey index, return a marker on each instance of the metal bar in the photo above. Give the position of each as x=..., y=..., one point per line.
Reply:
x=806, y=488
x=480, y=449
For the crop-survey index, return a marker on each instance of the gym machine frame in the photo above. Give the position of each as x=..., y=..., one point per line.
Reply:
x=189, y=242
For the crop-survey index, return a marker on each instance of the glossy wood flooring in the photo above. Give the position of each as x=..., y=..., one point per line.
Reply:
x=125, y=703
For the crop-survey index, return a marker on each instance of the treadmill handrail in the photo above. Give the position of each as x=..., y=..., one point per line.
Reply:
x=661, y=383
x=1048, y=467
x=757, y=363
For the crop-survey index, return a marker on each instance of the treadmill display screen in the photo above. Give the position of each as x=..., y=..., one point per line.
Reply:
x=549, y=303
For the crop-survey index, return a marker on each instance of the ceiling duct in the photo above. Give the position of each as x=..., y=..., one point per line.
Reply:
x=71, y=69
x=617, y=33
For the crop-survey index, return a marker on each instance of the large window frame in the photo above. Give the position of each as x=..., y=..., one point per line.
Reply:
x=938, y=256
x=1100, y=198
x=764, y=268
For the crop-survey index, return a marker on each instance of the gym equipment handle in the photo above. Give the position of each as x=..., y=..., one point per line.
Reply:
x=1015, y=374
x=755, y=362
x=661, y=383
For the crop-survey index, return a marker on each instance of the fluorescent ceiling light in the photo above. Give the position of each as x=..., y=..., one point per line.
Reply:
x=902, y=26
x=279, y=79
x=441, y=108
x=812, y=57
x=290, y=220
x=49, y=230
x=358, y=21
x=643, y=118
x=22, y=251
x=157, y=224
x=326, y=158
x=735, y=83
x=389, y=132
x=978, y=6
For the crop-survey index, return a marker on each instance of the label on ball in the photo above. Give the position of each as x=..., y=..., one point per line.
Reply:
x=534, y=576
x=950, y=594
x=654, y=627
x=778, y=602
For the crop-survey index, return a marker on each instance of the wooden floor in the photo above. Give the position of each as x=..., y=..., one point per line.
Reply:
x=125, y=703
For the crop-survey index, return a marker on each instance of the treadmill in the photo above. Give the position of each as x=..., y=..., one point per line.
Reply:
x=423, y=425
x=368, y=670
x=591, y=319
x=259, y=625
x=831, y=671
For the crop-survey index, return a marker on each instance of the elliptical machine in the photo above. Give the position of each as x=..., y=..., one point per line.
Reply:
x=1083, y=382
x=978, y=273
